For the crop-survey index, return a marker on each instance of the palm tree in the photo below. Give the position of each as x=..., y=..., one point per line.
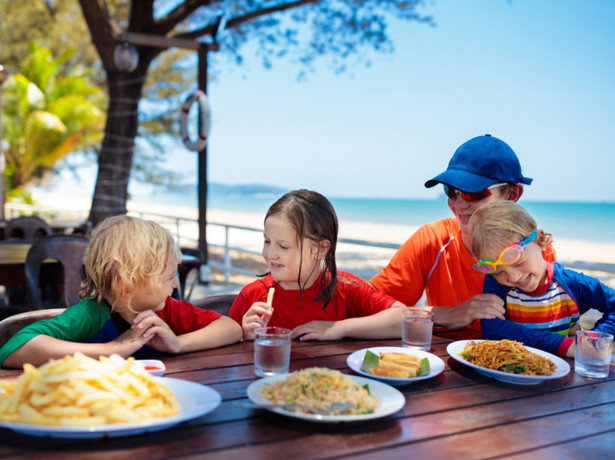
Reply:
x=49, y=112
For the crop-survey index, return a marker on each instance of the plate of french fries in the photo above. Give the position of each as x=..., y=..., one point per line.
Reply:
x=81, y=397
x=395, y=365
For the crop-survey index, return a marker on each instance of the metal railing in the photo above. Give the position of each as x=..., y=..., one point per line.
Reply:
x=177, y=224
x=186, y=233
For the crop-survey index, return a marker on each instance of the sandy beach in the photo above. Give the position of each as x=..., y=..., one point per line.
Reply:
x=586, y=256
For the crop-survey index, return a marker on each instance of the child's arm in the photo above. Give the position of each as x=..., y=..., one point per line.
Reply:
x=497, y=329
x=218, y=333
x=588, y=293
x=385, y=324
x=222, y=331
x=41, y=348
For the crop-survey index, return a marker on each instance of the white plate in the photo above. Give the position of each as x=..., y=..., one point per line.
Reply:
x=562, y=368
x=194, y=400
x=153, y=366
x=391, y=400
x=355, y=360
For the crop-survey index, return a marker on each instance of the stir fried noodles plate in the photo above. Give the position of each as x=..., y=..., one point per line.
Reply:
x=508, y=360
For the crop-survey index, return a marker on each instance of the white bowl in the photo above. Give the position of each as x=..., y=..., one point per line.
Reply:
x=153, y=366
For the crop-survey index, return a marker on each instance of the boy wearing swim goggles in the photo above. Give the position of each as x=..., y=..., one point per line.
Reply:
x=543, y=300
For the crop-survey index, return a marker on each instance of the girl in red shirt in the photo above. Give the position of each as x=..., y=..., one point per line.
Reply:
x=311, y=296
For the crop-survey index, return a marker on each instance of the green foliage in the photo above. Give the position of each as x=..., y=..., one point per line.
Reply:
x=54, y=24
x=20, y=195
x=49, y=111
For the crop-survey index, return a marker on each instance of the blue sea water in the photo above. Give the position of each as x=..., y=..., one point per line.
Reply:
x=573, y=220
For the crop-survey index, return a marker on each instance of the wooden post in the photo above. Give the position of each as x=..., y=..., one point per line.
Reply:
x=202, y=174
x=203, y=49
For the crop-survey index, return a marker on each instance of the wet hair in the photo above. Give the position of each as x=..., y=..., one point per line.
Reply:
x=128, y=249
x=313, y=217
x=498, y=224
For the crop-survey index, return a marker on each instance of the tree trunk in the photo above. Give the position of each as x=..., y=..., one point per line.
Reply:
x=115, y=157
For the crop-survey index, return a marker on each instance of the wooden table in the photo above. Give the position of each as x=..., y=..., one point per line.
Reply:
x=12, y=266
x=458, y=414
x=13, y=275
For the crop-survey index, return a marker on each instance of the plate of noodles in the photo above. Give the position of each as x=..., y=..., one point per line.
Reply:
x=320, y=387
x=524, y=365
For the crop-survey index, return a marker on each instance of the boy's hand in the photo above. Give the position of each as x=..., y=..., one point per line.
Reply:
x=129, y=342
x=258, y=315
x=573, y=330
x=155, y=332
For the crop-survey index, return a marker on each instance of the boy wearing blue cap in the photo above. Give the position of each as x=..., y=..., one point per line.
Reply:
x=436, y=259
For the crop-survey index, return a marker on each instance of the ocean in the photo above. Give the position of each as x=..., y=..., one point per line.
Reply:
x=569, y=220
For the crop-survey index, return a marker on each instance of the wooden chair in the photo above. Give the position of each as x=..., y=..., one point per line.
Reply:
x=219, y=303
x=69, y=251
x=84, y=228
x=9, y=326
x=27, y=228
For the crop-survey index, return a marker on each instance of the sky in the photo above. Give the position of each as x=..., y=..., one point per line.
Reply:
x=537, y=74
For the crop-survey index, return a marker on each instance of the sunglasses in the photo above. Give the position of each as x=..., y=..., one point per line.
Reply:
x=452, y=193
x=509, y=255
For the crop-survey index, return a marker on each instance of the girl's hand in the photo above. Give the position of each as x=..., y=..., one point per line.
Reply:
x=156, y=332
x=258, y=315
x=318, y=330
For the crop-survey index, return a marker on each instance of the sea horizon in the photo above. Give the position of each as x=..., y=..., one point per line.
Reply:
x=592, y=221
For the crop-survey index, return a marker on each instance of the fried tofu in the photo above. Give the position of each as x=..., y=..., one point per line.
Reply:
x=401, y=358
x=384, y=371
x=399, y=365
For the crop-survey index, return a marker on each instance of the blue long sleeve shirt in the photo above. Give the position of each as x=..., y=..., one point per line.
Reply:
x=542, y=319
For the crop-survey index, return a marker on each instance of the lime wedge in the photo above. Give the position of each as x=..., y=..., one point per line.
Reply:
x=370, y=360
x=424, y=367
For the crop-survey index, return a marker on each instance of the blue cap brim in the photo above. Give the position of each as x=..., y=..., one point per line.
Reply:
x=461, y=180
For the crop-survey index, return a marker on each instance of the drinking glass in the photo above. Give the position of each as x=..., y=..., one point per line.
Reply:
x=592, y=354
x=416, y=329
x=271, y=351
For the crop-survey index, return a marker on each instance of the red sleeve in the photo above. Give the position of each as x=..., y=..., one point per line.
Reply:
x=240, y=307
x=183, y=317
x=362, y=299
x=563, y=347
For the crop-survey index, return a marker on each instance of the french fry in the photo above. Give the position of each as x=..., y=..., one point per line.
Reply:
x=270, y=297
x=81, y=391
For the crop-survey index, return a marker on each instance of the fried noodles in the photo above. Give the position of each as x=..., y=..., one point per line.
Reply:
x=507, y=356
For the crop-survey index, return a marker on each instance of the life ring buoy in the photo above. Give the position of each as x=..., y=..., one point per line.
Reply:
x=204, y=121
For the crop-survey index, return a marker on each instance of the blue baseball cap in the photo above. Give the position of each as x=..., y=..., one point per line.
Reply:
x=479, y=163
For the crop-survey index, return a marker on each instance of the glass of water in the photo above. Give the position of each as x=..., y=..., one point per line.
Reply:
x=271, y=351
x=592, y=354
x=416, y=329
